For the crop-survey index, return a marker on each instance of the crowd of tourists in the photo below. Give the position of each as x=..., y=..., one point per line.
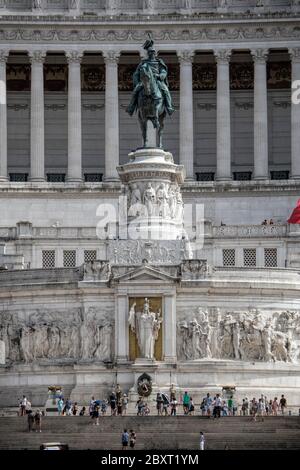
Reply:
x=166, y=405
x=217, y=407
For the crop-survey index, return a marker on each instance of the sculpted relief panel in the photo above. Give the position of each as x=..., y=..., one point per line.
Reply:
x=248, y=336
x=160, y=200
x=58, y=335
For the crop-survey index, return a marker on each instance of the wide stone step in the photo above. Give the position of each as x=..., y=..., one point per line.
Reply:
x=154, y=433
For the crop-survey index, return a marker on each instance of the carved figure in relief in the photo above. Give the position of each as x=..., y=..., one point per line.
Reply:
x=266, y=335
x=113, y=5
x=172, y=200
x=162, y=198
x=240, y=336
x=74, y=4
x=183, y=338
x=136, y=207
x=26, y=343
x=149, y=199
x=52, y=335
x=194, y=334
x=187, y=4
x=179, y=204
x=104, y=345
x=37, y=4
x=54, y=339
x=148, y=4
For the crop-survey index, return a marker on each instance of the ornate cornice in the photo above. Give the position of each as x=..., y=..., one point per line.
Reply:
x=136, y=35
x=259, y=55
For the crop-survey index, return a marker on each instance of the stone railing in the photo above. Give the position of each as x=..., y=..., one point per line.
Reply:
x=64, y=232
x=250, y=231
x=226, y=231
x=145, y=7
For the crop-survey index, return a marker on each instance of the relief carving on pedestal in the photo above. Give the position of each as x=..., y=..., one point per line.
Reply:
x=245, y=336
x=155, y=200
x=134, y=252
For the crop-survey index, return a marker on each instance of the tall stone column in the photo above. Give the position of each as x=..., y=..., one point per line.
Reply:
x=169, y=336
x=37, y=124
x=261, y=157
x=121, y=328
x=186, y=117
x=223, y=116
x=74, y=117
x=295, y=117
x=111, y=115
x=3, y=116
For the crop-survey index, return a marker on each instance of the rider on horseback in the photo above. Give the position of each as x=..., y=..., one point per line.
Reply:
x=159, y=71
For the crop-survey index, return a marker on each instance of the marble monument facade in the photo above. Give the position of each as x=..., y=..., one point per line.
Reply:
x=227, y=311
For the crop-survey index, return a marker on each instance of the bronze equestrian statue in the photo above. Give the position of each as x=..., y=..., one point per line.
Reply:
x=151, y=96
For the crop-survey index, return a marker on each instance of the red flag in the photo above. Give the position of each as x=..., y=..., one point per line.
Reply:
x=295, y=217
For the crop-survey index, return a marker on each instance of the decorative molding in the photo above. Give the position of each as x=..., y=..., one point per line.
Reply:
x=18, y=107
x=3, y=56
x=18, y=77
x=56, y=77
x=249, y=231
x=259, y=55
x=74, y=57
x=242, y=76
x=207, y=106
x=244, y=105
x=93, y=77
x=279, y=75
x=204, y=76
x=191, y=33
x=55, y=107
x=295, y=54
x=185, y=57
x=37, y=57
x=111, y=57
x=93, y=106
x=282, y=104
x=223, y=56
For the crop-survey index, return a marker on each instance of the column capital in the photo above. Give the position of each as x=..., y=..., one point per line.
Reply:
x=294, y=54
x=111, y=57
x=37, y=56
x=74, y=57
x=222, y=56
x=259, y=55
x=3, y=55
x=185, y=57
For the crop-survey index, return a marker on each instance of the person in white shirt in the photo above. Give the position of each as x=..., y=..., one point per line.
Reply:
x=202, y=441
x=23, y=405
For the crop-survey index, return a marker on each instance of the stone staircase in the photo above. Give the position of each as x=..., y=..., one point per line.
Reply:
x=181, y=432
